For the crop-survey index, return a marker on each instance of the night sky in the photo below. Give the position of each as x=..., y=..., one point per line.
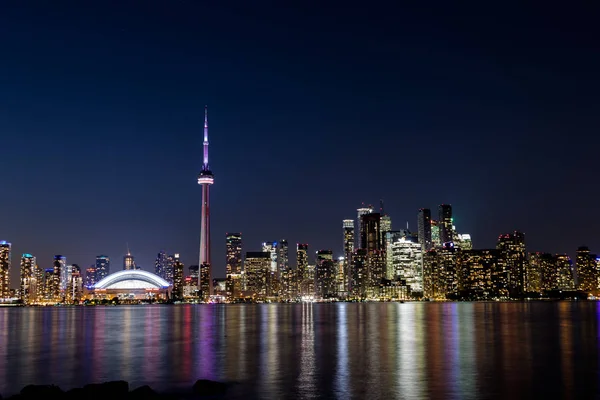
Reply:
x=312, y=110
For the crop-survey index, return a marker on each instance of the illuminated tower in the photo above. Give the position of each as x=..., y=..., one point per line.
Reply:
x=445, y=220
x=5, y=248
x=348, y=227
x=424, y=224
x=360, y=212
x=205, y=179
x=27, y=278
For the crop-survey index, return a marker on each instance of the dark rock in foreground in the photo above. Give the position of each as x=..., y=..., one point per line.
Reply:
x=114, y=390
x=204, y=387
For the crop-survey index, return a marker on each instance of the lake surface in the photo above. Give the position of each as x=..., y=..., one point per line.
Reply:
x=310, y=351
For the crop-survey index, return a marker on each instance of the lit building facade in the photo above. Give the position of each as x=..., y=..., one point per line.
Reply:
x=131, y=285
x=445, y=223
x=512, y=254
x=564, y=267
x=27, y=286
x=348, y=242
x=5, y=260
x=587, y=271
x=405, y=262
x=102, y=268
x=160, y=264
x=257, y=268
x=302, y=275
x=283, y=260
x=177, y=278
x=360, y=212
x=325, y=275
x=233, y=257
x=424, y=229
x=74, y=291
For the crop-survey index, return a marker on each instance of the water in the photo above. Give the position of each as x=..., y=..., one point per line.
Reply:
x=309, y=351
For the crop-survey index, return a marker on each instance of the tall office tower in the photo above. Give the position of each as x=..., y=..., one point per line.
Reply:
x=233, y=258
x=445, y=222
x=513, y=260
x=160, y=264
x=271, y=248
x=371, y=232
x=27, y=286
x=464, y=241
x=177, y=278
x=257, y=267
x=168, y=271
x=564, y=266
x=38, y=274
x=440, y=277
x=325, y=275
x=205, y=179
x=193, y=271
x=102, y=267
x=128, y=261
x=385, y=223
x=540, y=273
x=301, y=266
x=424, y=226
x=64, y=272
x=405, y=263
x=348, y=229
x=436, y=241
x=475, y=273
x=283, y=256
x=587, y=273
x=51, y=283
x=341, y=278
x=360, y=212
x=360, y=275
x=74, y=290
x=90, y=276
x=55, y=283
x=5, y=258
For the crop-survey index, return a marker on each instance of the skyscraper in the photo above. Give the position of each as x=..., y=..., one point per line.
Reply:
x=301, y=266
x=445, y=221
x=160, y=264
x=360, y=212
x=513, y=260
x=205, y=179
x=424, y=224
x=257, y=268
x=64, y=272
x=325, y=275
x=55, y=284
x=5, y=258
x=348, y=229
x=102, y=268
x=271, y=248
x=26, y=287
x=283, y=256
x=128, y=261
x=233, y=258
x=177, y=278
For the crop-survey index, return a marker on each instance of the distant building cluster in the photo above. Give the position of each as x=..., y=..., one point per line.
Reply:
x=382, y=264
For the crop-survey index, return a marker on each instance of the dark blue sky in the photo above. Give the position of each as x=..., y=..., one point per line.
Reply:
x=312, y=110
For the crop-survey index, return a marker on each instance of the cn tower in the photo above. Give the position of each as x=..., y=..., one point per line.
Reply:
x=205, y=179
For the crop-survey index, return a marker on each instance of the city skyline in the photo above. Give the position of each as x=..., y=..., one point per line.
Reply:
x=102, y=139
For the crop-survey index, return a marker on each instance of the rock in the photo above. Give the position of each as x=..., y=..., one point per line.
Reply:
x=142, y=393
x=107, y=390
x=205, y=387
x=75, y=394
x=15, y=397
x=36, y=392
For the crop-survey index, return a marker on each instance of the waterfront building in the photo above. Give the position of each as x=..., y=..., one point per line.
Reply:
x=565, y=273
x=257, y=268
x=160, y=264
x=27, y=279
x=302, y=276
x=360, y=212
x=445, y=223
x=5, y=260
x=405, y=262
x=131, y=285
x=475, y=273
x=74, y=291
x=177, y=277
x=587, y=271
x=325, y=275
x=511, y=247
x=348, y=243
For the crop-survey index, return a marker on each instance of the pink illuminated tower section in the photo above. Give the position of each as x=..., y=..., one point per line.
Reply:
x=205, y=179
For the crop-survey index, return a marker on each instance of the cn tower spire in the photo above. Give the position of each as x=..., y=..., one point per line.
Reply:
x=205, y=163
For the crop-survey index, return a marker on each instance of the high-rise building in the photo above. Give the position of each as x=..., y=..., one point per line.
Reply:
x=360, y=275
x=424, y=226
x=385, y=223
x=74, y=290
x=177, y=278
x=56, y=292
x=102, y=268
x=5, y=259
x=90, y=276
x=27, y=281
x=205, y=179
x=348, y=235
x=541, y=273
x=302, y=267
x=283, y=256
x=128, y=261
x=233, y=258
x=405, y=262
x=464, y=241
x=436, y=240
x=360, y=212
x=160, y=264
x=513, y=260
x=271, y=248
x=445, y=223
x=564, y=267
x=587, y=272
x=38, y=274
x=325, y=275
x=257, y=267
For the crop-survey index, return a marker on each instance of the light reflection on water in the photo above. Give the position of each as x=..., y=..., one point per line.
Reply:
x=311, y=351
